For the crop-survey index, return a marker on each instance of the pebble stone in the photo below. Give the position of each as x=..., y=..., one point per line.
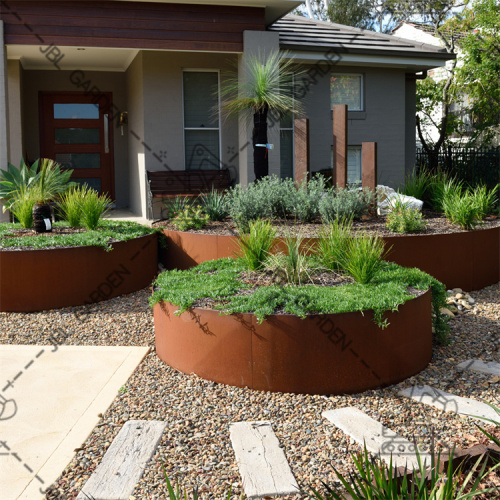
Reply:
x=196, y=449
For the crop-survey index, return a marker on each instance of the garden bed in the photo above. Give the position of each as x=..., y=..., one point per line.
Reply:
x=458, y=258
x=73, y=267
x=337, y=338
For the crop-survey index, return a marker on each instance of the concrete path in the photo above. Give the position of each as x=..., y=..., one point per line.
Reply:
x=50, y=397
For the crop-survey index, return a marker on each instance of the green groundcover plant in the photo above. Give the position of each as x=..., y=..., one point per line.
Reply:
x=106, y=233
x=221, y=280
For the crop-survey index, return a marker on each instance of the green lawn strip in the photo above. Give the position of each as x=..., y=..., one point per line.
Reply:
x=107, y=232
x=219, y=280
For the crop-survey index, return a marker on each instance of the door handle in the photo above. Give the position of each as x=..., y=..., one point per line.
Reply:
x=106, y=133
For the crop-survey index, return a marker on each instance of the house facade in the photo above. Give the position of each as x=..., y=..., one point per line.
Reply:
x=112, y=89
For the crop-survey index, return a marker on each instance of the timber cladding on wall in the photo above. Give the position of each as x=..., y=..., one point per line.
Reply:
x=135, y=25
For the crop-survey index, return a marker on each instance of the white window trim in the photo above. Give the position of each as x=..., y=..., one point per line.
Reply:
x=362, y=91
x=184, y=128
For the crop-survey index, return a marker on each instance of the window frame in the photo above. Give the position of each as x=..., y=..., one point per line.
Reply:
x=184, y=128
x=361, y=90
x=352, y=147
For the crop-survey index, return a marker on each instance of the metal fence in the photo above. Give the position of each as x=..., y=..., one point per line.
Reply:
x=473, y=166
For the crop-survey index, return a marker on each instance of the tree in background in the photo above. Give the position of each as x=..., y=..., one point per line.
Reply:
x=479, y=75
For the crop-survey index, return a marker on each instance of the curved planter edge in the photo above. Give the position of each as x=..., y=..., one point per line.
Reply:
x=323, y=354
x=38, y=280
x=468, y=260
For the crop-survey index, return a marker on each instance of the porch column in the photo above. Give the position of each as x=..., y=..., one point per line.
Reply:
x=256, y=44
x=14, y=86
x=4, y=135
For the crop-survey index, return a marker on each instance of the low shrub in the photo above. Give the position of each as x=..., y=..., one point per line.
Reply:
x=333, y=244
x=404, y=219
x=174, y=206
x=363, y=257
x=21, y=205
x=214, y=204
x=303, y=202
x=275, y=194
x=192, y=217
x=256, y=245
x=345, y=203
x=246, y=205
x=93, y=207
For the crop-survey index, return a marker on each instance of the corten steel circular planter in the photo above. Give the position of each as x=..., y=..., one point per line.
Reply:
x=322, y=354
x=469, y=260
x=37, y=280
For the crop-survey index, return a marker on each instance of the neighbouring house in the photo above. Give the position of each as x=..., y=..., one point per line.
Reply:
x=112, y=89
x=424, y=33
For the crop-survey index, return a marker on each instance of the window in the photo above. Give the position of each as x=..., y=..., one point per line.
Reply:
x=353, y=165
x=347, y=89
x=201, y=120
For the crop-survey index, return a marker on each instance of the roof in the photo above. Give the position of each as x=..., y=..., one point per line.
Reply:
x=302, y=33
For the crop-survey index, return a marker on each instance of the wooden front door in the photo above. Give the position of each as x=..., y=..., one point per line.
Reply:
x=77, y=132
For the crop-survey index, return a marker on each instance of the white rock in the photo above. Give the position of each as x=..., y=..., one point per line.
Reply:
x=459, y=296
x=458, y=290
x=387, y=197
x=471, y=300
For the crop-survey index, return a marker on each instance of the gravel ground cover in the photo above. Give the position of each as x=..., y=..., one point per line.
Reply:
x=196, y=448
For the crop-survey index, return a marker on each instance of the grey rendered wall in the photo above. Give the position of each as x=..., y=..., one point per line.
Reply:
x=411, y=123
x=383, y=120
x=163, y=110
x=59, y=81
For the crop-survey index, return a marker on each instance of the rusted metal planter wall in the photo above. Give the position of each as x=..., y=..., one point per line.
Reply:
x=323, y=354
x=37, y=280
x=469, y=260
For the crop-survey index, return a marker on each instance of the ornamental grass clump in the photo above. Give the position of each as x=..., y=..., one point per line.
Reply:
x=485, y=200
x=69, y=205
x=442, y=186
x=461, y=208
x=418, y=184
x=214, y=204
x=93, y=207
x=364, y=257
x=333, y=244
x=257, y=244
x=404, y=219
x=293, y=266
x=21, y=205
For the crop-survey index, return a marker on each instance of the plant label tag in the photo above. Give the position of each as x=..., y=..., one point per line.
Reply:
x=48, y=224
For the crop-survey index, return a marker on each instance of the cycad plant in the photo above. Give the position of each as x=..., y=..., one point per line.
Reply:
x=14, y=182
x=51, y=182
x=268, y=88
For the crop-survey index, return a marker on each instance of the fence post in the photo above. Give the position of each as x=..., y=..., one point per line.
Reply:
x=302, y=155
x=340, y=145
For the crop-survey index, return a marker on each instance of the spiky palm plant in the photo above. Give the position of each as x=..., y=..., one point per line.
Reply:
x=268, y=88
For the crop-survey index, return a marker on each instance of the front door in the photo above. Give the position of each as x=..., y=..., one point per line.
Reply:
x=77, y=133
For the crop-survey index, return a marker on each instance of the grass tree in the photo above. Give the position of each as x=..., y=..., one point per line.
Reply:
x=267, y=90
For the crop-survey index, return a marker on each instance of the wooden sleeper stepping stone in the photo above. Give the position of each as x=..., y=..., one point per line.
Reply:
x=476, y=365
x=262, y=463
x=378, y=439
x=449, y=402
x=122, y=466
